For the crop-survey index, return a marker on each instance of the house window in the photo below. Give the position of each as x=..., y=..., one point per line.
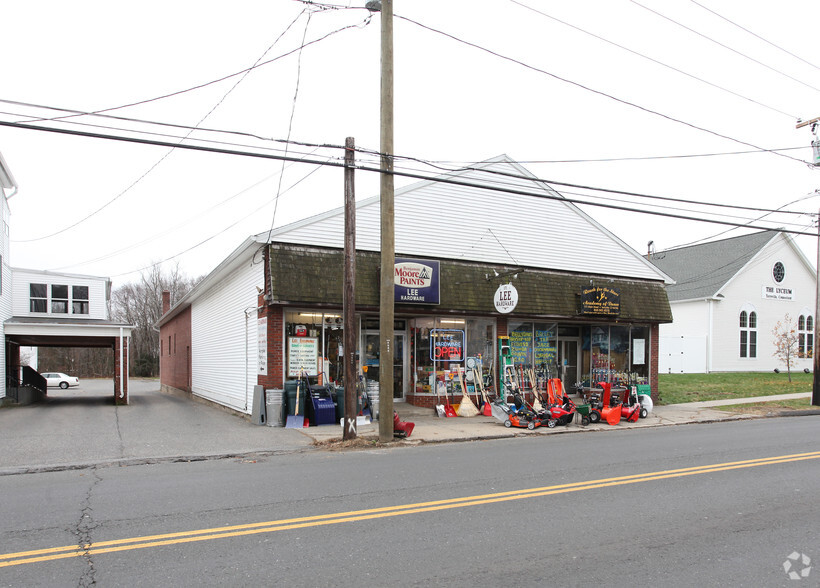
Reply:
x=748, y=334
x=79, y=299
x=805, y=336
x=38, y=298
x=59, y=299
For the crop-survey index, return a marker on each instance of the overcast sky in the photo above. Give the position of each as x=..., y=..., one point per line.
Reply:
x=601, y=93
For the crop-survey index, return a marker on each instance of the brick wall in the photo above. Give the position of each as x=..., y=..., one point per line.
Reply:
x=654, y=350
x=175, y=352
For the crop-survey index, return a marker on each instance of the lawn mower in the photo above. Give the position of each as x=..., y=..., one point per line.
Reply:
x=518, y=415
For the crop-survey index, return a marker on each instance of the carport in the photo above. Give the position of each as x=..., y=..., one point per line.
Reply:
x=68, y=332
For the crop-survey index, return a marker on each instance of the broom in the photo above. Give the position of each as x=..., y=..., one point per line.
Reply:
x=466, y=408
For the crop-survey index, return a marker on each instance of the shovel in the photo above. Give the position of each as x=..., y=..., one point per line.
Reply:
x=294, y=420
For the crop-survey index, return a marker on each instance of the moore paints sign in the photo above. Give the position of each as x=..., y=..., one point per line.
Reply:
x=416, y=281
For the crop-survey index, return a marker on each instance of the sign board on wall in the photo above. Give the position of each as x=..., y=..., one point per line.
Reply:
x=416, y=281
x=777, y=293
x=303, y=355
x=600, y=300
x=446, y=345
x=262, y=346
x=505, y=298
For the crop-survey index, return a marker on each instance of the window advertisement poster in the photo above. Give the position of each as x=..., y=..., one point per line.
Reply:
x=416, y=281
x=520, y=347
x=447, y=345
x=303, y=355
x=262, y=346
x=638, y=351
x=545, y=351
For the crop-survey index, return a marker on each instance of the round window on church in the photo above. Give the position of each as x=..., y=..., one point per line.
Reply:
x=779, y=272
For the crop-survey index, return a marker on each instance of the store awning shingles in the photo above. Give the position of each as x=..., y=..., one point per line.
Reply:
x=311, y=275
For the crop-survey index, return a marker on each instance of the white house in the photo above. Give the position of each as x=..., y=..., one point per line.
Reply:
x=727, y=298
x=41, y=308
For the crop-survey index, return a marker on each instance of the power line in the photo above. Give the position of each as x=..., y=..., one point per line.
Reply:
x=755, y=34
x=653, y=60
x=598, y=92
x=775, y=70
x=341, y=164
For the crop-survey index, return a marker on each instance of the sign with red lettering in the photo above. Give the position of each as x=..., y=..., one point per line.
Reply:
x=446, y=344
x=416, y=281
x=506, y=298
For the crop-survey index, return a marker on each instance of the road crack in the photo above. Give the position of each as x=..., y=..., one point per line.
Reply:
x=85, y=527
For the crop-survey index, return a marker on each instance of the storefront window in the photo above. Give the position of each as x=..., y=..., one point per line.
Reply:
x=478, y=342
x=615, y=354
x=314, y=343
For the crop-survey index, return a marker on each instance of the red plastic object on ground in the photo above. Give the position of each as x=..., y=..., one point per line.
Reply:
x=401, y=429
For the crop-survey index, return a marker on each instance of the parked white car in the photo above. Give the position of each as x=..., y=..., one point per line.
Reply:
x=55, y=379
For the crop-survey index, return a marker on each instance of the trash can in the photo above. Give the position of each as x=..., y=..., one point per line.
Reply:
x=275, y=407
x=290, y=391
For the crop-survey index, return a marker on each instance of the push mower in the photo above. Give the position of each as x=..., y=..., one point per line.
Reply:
x=520, y=415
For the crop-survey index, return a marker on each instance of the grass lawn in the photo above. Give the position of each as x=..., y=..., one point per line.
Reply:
x=675, y=388
x=773, y=407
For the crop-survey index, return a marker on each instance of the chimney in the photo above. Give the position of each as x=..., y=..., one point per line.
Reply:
x=166, y=301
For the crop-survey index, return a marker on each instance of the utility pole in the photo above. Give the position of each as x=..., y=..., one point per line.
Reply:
x=349, y=298
x=815, y=386
x=388, y=254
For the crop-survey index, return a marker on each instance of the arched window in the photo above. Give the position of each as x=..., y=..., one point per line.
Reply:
x=748, y=334
x=805, y=336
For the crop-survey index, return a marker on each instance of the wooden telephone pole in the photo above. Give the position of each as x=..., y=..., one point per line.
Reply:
x=349, y=430
x=815, y=387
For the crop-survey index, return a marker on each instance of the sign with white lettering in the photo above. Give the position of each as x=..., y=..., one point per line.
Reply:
x=416, y=281
x=777, y=293
x=505, y=298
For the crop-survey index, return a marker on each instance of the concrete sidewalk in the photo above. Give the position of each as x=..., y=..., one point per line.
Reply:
x=81, y=428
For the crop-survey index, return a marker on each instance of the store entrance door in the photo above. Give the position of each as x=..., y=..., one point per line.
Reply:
x=370, y=360
x=568, y=367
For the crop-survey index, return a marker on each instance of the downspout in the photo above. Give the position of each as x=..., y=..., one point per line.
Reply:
x=122, y=382
x=709, y=332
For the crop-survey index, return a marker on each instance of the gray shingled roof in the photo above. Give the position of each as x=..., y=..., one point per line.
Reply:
x=700, y=271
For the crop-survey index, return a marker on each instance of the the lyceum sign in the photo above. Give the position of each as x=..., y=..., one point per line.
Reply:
x=416, y=281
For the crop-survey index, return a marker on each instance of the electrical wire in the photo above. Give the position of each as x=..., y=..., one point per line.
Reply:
x=597, y=92
x=775, y=70
x=755, y=34
x=653, y=60
x=375, y=170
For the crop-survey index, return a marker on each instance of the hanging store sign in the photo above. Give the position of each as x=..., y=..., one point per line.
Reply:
x=505, y=298
x=446, y=345
x=416, y=281
x=600, y=300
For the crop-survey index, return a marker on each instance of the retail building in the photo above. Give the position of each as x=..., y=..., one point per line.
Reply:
x=492, y=265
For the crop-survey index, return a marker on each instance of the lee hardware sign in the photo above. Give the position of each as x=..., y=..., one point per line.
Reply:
x=416, y=281
x=505, y=298
x=600, y=300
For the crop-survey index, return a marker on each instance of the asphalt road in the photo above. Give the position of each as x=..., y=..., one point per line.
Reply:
x=710, y=505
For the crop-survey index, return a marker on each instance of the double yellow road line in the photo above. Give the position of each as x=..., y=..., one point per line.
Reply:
x=93, y=549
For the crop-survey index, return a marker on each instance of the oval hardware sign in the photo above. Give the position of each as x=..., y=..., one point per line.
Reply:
x=506, y=298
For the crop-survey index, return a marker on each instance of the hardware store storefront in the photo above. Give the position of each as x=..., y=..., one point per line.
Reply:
x=554, y=327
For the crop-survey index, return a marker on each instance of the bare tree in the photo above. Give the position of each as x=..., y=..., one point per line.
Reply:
x=786, y=343
x=140, y=304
